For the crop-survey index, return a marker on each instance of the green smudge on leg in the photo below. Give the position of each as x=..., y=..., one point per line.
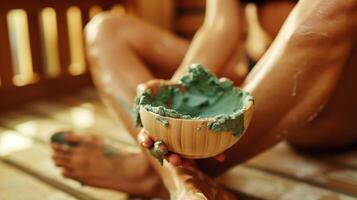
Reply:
x=58, y=138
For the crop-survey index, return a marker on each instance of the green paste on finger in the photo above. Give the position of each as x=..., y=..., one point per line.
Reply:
x=158, y=152
x=202, y=95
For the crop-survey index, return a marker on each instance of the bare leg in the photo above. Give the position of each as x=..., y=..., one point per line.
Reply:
x=320, y=133
x=296, y=84
x=124, y=51
x=117, y=70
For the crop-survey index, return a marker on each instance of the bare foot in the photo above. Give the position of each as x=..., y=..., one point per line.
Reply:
x=95, y=164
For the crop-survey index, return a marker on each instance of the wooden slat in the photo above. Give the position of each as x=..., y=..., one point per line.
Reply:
x=347, y=158
x=85, y=15
x=106, y=117
x=16, y=184
x=85, y=19
x=41, y=119
x=73, y=102
x=34, y=5
x=32, y=126
x=284, y=161
x=15, y=96
x=35, y=43
x=268, y=186
x=100, y=124
x=36, y=160
x=63, y=39
x=6, y=70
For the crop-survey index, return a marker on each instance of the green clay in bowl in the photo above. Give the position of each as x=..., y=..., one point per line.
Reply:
x=200, y=95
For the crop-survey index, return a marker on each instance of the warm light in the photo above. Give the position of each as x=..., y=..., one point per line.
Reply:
x=28, y=128
x=10, y=142
x=50, y=41
x=82, y=118
x=20, y=47
x=74, y=19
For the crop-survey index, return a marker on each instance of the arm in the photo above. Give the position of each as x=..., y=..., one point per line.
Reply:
x=295, y=77
x=217, y=39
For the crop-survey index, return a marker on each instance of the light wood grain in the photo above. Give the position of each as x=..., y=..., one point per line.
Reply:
x=16, y=184
x=280, y=173
x=86, y=118
x=191, y=138
x=285, y=161
x=35, y=159
x=264, y=185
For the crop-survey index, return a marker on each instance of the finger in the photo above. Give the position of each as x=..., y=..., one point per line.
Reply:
x=220, y=157
x=174, y=159
x=144, y=139
x=187, y=164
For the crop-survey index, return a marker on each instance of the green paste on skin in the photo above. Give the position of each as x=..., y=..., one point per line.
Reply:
x=158, y=152
x=201, y=96
x=59, y=138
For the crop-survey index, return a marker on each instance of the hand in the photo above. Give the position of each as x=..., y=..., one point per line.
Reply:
x=173, y=158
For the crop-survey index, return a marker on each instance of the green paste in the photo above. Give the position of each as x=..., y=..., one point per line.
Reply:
x=59, y=138
x=201, y=95
x=158, y=152
x=163, y=120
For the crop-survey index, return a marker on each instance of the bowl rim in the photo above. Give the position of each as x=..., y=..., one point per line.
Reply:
x=247, y=107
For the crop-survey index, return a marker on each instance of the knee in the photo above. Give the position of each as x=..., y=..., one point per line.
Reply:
x=105, y=26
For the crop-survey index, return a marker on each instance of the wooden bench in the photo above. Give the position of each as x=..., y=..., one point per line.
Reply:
x=280, y=173
x=37, y=104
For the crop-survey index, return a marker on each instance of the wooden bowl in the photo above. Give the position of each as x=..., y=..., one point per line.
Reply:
x=191, y=138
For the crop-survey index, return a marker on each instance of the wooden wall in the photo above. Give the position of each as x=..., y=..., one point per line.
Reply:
x=31, y=68
x=25, y=72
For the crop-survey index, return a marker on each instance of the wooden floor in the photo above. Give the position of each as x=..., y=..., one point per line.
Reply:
x=27, y=172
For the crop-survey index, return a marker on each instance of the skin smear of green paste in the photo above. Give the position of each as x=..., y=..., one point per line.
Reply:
x=202, y=95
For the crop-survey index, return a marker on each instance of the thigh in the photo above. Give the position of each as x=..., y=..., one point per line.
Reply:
x=160, y=49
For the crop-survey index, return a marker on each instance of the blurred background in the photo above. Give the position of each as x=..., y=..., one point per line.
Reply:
x=45, y=87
